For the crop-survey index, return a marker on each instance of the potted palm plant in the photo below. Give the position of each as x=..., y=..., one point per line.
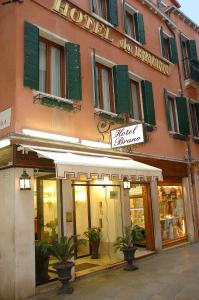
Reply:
x=64, y=250
x=42, y=255
x=126, y=244
x=94, y=235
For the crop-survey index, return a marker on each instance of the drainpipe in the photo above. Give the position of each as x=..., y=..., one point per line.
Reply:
x=188, y=157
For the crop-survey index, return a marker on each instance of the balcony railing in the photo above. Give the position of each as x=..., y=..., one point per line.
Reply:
x=191, y=70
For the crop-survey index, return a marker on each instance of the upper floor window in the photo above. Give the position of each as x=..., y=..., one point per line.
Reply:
x=173, y=114
x=106, y=9
x=104, y=88
x=135, y=98
x=194, y=112
x=51, y=68
x=189, y=58
x=117, y=92
x=99, y=7
x=134, y=24
x=177, y=115
x=168, y=47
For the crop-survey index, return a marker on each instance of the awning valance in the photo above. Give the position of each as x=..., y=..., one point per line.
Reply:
x=70, y=165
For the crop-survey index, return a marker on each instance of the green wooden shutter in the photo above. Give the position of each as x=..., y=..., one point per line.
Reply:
x=148, y=102
x=173, y=50
x=183, y=118
x=96, y=100
x=192, y=50
x=162, y=42
x=73, y=71
x=31, y=56
x=139, y=28
x=121, y=89
x=166, y=99
x=197, y=112
x=112, y=12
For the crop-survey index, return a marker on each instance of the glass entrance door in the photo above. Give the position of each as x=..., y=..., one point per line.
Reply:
x=46, y=225
x=99, y=206
x=141, y=214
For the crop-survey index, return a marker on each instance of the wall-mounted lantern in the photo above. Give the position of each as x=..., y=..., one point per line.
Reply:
x=25, y=181
x=126, y=183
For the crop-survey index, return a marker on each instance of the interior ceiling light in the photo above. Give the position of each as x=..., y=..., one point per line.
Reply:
x=50, y=136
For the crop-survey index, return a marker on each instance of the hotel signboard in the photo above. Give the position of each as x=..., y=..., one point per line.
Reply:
x=125, y=136
x=82, y=19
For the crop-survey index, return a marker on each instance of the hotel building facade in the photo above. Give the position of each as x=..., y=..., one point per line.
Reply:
x=71, y=73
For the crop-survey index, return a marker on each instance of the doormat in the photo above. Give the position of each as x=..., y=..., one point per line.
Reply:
x=84, y=266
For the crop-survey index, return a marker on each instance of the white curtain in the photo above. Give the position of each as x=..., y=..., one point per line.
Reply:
x=97, y=7
x=129, y=25
x=106, y=90
x=135, y=101
x=55, y=72
x=42, y=67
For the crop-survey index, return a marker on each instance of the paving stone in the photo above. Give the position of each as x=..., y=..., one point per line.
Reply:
x=170, y=275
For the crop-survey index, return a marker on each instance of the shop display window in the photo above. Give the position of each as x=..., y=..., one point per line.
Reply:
x=172, y=215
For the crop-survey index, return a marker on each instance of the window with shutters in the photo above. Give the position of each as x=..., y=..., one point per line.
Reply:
x=106, y=9
x=177, y=115
x=194, y=113
x=190, y=60
x=168, y=47
x=134, y=24
x=135, y=100
x=185, y=57
x=173, y=114
x=51, y=68
x=99, y=7
x=104, y=88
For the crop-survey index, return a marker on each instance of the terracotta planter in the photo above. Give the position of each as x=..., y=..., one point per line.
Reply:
x=95, y=249
x=64, y=275
x=129, y=255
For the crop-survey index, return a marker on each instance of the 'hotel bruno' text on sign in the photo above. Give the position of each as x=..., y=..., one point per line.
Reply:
x=126, y=136
x=91, y=24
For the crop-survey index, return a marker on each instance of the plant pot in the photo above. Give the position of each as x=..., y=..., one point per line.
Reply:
x=129, y=255
x=95, y=249
x=64, y=275
x=41, y=266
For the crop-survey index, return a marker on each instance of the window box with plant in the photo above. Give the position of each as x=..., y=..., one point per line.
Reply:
x=52, y=70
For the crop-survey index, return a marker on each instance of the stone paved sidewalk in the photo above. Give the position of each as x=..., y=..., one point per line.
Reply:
x=172, y=274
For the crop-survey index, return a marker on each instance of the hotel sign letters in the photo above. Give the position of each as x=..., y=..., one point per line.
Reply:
x=82, y=19
x=126, y=136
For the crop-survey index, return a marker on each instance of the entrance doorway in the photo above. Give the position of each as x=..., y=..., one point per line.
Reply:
x=45, y=223
x=98, y=206
x=141, y=214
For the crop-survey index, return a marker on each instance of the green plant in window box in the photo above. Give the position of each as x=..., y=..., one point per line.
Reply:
x=113, y=119
x=94, y=236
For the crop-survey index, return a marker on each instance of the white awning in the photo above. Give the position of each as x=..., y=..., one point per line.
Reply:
x=70, y=165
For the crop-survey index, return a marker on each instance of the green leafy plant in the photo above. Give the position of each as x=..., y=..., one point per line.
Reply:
x=42, y=250
x=131, y=235
x=65, y=248
x=93, y=234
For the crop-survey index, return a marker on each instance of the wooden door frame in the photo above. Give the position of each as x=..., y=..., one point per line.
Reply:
x=148, y=216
